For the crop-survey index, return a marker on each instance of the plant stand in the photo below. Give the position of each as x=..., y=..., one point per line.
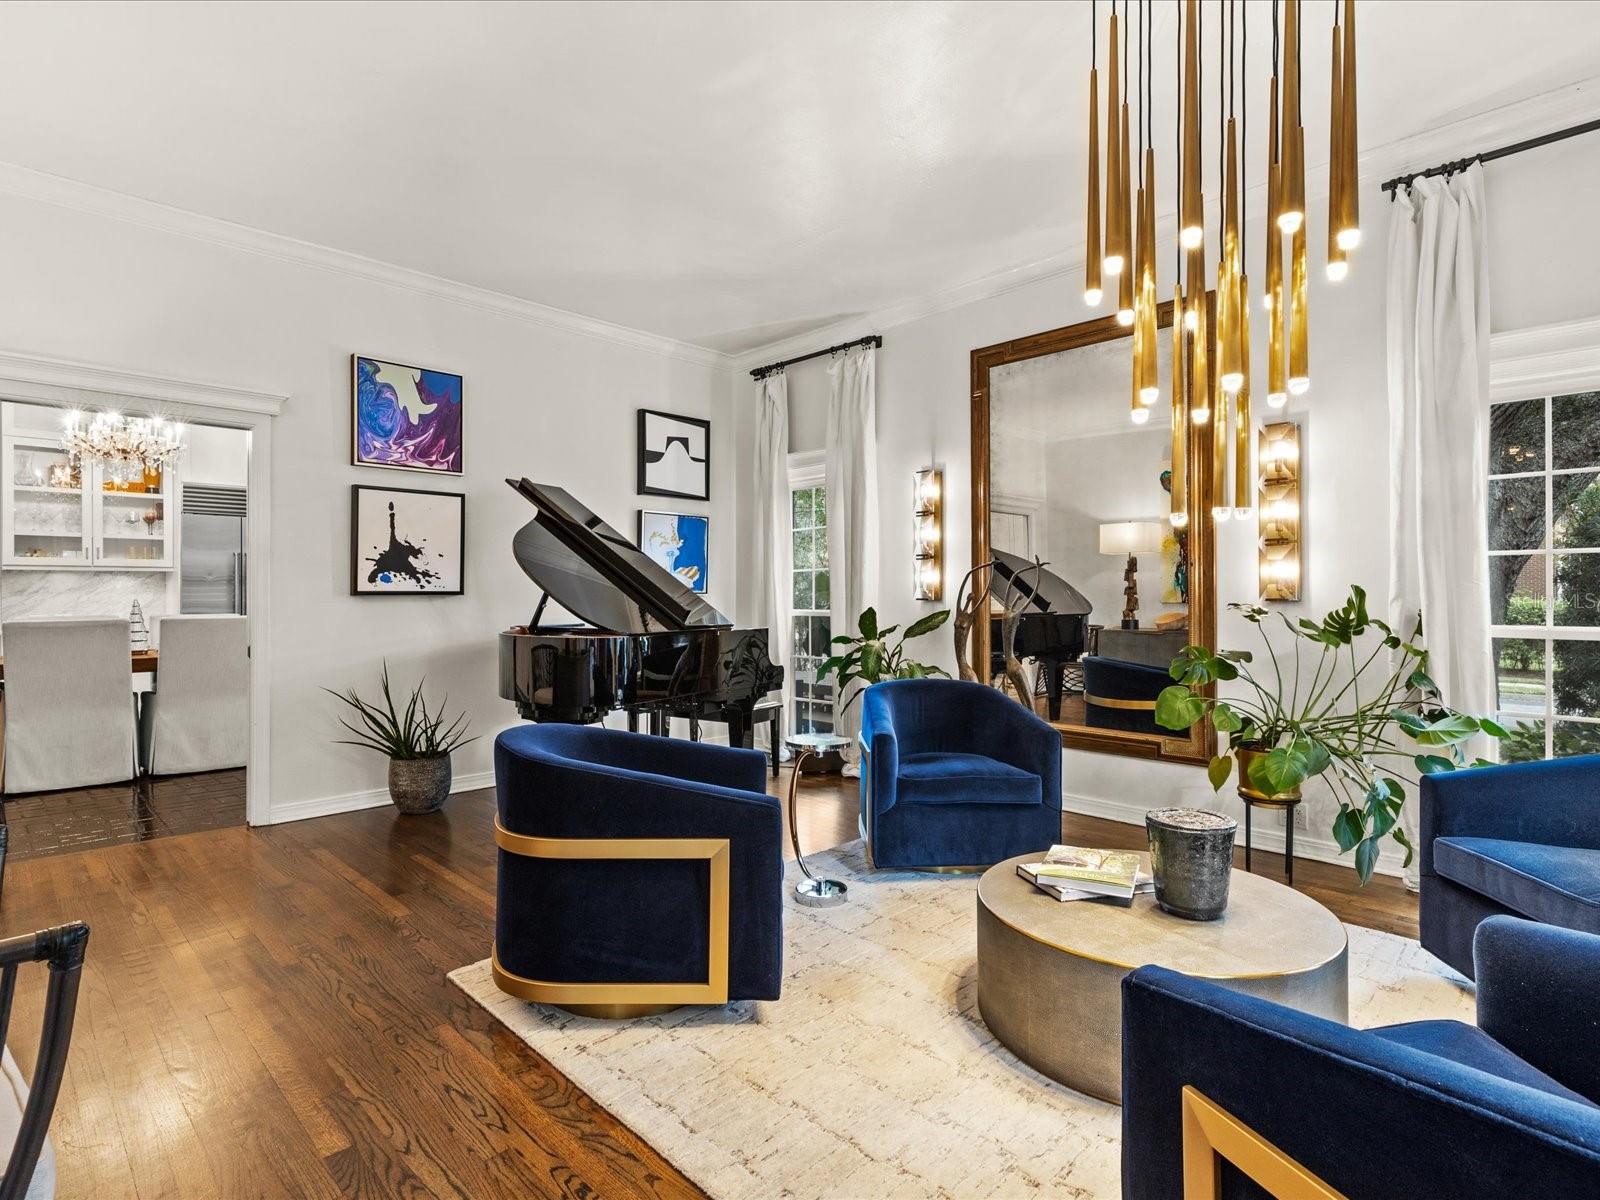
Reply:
x=1286, y=807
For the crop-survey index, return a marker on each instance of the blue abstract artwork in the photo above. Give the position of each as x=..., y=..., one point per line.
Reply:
x=405, y=417
x=678, y=542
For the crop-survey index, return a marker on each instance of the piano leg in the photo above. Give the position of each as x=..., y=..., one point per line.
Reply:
x=740, y=730
x=694, y=727
x=633, y=721
x=658, y=722
x=1052, y=686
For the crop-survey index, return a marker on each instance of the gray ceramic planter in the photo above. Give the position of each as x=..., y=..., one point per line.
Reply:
x=419, y=785
x=1191, y=856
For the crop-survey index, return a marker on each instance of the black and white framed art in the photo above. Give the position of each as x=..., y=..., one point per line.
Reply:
x=405, y=542
x=674, y=455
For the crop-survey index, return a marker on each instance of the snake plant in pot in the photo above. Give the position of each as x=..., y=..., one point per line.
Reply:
x=1358, y=710
x=418, y=742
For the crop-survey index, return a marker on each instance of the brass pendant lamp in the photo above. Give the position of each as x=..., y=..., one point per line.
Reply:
x=1115, y=256
x=1348, y=222
x=1092, y=264
x=1293, y=202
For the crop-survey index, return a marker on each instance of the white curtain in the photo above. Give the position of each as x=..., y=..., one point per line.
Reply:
x=1438, y=316
x=773, y=553
x=852, y=479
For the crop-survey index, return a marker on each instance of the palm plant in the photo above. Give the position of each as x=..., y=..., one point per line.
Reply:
x=409, y=733
x=872, y=656
x=1340, y=719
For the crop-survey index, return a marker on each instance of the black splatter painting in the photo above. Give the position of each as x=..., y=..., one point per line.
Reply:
x=399, y=561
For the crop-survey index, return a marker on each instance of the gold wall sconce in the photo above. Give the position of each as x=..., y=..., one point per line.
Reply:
x=927, y=533
x=1280, y=511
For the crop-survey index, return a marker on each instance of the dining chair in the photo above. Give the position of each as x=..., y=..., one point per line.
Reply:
x=69, y=707
x=198, y=717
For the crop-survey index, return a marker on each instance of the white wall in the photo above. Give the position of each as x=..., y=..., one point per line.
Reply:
x=542, y=400
x=215, y=456
x=1544, y=254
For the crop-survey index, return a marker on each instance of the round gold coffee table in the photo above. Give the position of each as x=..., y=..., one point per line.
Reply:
x=1050, y=973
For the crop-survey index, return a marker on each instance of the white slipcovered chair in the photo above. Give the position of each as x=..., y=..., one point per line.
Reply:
x=69, y=716
x=198, y=718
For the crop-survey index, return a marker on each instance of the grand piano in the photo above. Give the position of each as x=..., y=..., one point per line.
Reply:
x=649, y=646
x=1052, y=628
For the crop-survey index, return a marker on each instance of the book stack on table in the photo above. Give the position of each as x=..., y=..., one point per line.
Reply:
x=1081, y=873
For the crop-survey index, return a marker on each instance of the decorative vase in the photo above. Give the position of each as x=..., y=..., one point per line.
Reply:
x=419, y=785
x=1247, y=755
x=1191, y=856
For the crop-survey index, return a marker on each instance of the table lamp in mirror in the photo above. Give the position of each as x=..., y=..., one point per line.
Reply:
x=1131, y=538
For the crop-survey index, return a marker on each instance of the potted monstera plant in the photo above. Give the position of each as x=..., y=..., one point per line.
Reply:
x=417, y=740
x=872, y=654
x=1346, y=699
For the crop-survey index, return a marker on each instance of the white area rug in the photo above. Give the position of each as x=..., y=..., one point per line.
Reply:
x=875, y=1076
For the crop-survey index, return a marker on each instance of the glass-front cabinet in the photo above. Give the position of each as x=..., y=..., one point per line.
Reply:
x=56, y=516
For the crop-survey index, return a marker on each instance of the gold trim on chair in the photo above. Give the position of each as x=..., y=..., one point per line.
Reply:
x=1211, y=1134
x=627, y=999
x=1113, y=702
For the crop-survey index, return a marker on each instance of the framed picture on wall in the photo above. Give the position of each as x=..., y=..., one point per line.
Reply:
x=674, y=455
x=679, y=542
x=406, y=418
x=405, y=542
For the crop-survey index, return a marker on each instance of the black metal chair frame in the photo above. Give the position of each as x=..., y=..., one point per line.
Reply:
x=63, y=949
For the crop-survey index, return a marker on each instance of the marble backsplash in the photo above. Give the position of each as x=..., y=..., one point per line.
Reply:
x=83, y=594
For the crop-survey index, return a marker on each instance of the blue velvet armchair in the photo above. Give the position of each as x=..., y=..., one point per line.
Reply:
x=955, y=774
x=636, y=873
x=1523, y=838
x=1122, y=695
x=1431, y=1110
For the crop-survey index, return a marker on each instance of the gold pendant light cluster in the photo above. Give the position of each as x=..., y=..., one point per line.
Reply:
x=1211, y=359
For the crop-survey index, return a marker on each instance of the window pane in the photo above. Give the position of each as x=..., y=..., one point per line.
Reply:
x=1526, y=743
x=802, y=550
x=1516, y=514
x=1516, y=589
x=1519, y=676
x=1573, y=738
x=800, y=517
x=1577, y=589
x=1516, y=437
x=819, y=502
x=820, y=636
x=1577, y=679
x=821, y=590
x=1575, y=430
x=819, y=548
x=1575, y=500
x=802, y=590
x=802, y=639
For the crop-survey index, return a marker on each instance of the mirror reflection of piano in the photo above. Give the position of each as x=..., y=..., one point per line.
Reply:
x=649, y=646
x=1052, y=627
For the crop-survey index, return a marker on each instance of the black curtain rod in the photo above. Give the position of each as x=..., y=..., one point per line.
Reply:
x=1461, y=164
x=872, y=339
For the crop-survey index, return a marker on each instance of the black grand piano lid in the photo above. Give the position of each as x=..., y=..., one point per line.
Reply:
x=1050, y=593
x=599, y=576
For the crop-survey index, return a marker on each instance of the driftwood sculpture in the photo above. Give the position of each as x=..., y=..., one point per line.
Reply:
x=1013, y=602
x=966, y=617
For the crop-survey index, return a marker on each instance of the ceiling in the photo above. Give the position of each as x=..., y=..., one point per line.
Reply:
x=727, y=174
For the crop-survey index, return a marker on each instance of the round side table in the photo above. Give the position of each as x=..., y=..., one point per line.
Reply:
x=811, y=891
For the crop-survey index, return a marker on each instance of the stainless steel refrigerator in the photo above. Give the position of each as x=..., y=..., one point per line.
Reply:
x=211, y=556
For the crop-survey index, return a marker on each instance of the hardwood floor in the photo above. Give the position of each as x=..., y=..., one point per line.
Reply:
x=265, y=1013
x=140, y=810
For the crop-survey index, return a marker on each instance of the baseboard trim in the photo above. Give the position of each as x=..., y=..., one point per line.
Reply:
x=328, y=806
x=1265, y=836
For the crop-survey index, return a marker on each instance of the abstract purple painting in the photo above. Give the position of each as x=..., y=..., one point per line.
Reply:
x=404, y=417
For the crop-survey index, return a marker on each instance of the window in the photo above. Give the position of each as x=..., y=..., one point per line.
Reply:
x=1544, y=573
x=813, y=701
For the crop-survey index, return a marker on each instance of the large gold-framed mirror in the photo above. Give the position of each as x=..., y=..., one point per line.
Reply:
x=1061, y=473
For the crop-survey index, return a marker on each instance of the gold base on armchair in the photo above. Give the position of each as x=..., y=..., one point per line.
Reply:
x=625, y=998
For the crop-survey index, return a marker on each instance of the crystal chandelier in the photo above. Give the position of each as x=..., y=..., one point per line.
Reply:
x=124, y=449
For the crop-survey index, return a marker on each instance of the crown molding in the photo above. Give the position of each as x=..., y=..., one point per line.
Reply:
x=64, y=381
x=1524, y=363
x=66, y=193
x=1486, y=130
